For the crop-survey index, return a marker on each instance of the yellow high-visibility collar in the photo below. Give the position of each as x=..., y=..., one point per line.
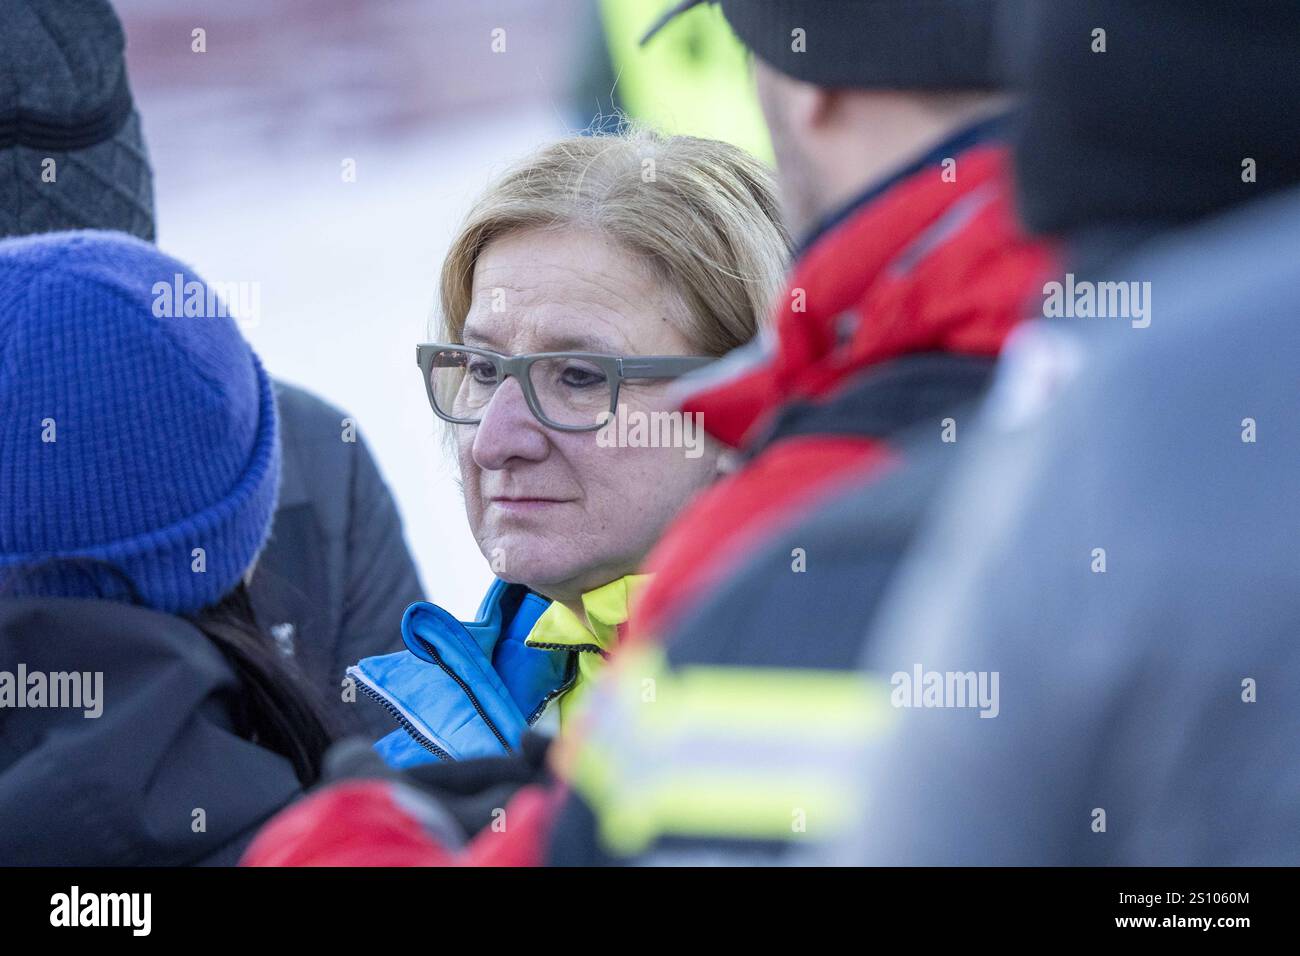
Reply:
x=606, y=608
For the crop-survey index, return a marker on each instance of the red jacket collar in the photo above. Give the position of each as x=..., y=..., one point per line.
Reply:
x=928, y=265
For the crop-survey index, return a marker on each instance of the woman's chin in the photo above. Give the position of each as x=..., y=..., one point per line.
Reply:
x=521, y=563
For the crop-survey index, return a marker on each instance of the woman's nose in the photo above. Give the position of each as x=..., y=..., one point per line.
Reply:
x=508, y=430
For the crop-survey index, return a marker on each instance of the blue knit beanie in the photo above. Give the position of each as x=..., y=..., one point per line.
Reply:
x=137, y=443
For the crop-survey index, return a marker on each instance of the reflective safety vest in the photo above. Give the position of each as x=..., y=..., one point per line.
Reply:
x=731, y=753
x=691, y=79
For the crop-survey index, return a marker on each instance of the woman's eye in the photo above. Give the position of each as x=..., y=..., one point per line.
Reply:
x=580, y=376
x=484, y=373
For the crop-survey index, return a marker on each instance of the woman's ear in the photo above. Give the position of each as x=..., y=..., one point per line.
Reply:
x=816, y=106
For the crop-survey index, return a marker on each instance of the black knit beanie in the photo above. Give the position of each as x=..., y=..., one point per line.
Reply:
x=71, y=152
x=869, y=44
x=1179, y=108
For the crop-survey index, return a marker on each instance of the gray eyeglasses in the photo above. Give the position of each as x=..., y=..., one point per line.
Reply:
x=567, y=391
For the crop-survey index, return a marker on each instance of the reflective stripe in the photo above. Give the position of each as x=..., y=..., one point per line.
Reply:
x=944, y=228
x=740, y=753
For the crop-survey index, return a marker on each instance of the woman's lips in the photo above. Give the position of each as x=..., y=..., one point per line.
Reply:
x=524, y=505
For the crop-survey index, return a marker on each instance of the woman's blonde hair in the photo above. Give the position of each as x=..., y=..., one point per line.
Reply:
x=703, y=213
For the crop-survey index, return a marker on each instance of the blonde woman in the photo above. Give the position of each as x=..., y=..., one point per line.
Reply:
x=581, y=284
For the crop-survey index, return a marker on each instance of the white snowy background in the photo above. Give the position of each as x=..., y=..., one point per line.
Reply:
x=248, y=141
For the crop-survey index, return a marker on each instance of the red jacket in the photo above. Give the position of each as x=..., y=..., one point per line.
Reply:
x=380, y=823
x=929, y=266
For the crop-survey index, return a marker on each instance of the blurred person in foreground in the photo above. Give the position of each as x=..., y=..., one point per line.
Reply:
x=145, y=719
x=888, y=126
x=1121, y=545
x=336, y=574
x=582, y=283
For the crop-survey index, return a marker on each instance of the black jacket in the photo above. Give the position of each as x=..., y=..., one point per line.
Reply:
x=160, y=777
x=336, y=576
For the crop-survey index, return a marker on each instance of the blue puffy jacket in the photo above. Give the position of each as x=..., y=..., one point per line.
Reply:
x=466, y=689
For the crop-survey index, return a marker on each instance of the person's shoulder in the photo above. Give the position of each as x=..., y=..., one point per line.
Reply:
x=804, y=597
x=1230, y=278
x=304, y=415
x=1218, y=308
x=320, y=444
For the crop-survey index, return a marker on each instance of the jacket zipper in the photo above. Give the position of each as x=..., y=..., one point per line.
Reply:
x=585, y=648
x=437, y=659
x=570, y=678
x=405, y=724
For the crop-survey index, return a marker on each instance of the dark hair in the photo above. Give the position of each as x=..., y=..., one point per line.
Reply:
x=277, y=710
x=276, y=707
